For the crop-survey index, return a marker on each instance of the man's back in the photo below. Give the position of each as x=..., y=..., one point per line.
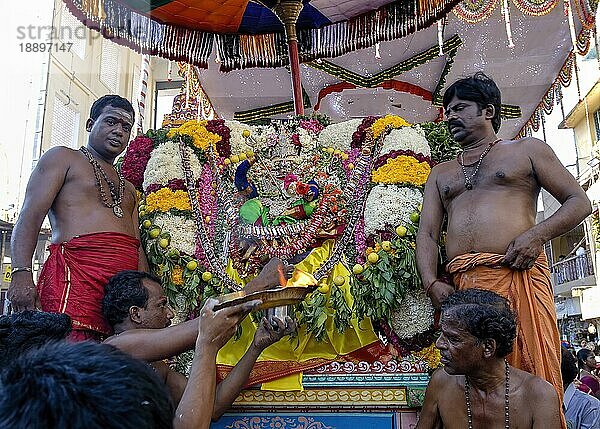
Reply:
x=582, y=409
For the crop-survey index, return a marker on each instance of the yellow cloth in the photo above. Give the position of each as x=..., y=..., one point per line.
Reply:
x=304, y=347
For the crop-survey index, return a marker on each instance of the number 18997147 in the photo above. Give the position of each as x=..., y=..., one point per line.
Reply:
x=45, y=47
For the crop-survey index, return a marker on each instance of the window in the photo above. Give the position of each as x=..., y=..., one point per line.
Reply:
x=72, y=31
x=65, y=125
x=109, y=65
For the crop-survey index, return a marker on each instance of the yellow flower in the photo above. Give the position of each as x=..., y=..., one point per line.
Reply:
x=177, y=275
x=391, y=121
x=197, y=130
x=431, y=355
x=402, y=169
x=165, y=199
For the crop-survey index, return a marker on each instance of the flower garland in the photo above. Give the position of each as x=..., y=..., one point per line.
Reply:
x=339, y=136
x=358, y=137
x=202, y=138
x=164, y=165
x=391, y=121
x=165, y=200
x=181, y=230
x=390, y=205
x=172, y=184
x=218, y=127
x=402, y=169
x=136, y=159
x=237, y=141
x=413, y=316
x=382, y=160
x=406, y=138
x=431, y=355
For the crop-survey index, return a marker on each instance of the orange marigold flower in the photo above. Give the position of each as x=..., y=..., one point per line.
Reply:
x=402, y=169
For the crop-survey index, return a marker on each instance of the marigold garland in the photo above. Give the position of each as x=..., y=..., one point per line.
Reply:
x=431, y=355
x=165, y=199
x=402, y=169
x=197, y=130
x=391, y=121
x=177, y=275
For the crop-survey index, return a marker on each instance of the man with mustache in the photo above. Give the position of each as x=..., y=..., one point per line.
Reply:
x=489, y=195
x=94, y=218
x=477, y=388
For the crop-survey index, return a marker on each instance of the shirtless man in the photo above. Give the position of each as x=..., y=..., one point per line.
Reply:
x=94, y=218
x=489, y=195
x=477, y=388
x=136, y=308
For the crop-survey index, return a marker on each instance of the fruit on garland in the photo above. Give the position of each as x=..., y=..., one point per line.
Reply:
x=420, y=208
x=246, y=133
x=235, y=159
x=250, y=154
x=173, y=253
x=243, y=156
x=323, y=288
x=357, y=269
x=154, y=232
x=330, y=150
x=373, y=257
x=339, y=280
x=142, y=208
x=192, y=265
x=147, y=223
x=350, y=166
x=414, y=217
x=386, y=245
x=207, y=276
x=163, y=243
x=227, y=161
x=401, y=230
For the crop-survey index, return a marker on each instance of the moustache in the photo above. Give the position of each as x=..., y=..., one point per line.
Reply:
x=454, y=123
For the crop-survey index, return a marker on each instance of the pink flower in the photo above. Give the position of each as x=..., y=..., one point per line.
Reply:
x=136, y=159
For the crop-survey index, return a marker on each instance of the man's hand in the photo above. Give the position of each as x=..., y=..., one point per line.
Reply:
x=215, y=328
x=22, y=293
x=438, y=292
x=272, y=330
x=523, y=251
x=271, y=276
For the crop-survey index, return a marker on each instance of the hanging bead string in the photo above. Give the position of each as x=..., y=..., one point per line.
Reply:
x=506, y=402
x=469, y=178
x=116, y=195
x=506, y=13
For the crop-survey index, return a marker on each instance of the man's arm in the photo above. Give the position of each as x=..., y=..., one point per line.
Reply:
x=142, y=259
x=215, y=328
x=44, y=185
x=544, y=403
x=428, y=236
x=229, y=389
x=575, y=206
x=430, y=414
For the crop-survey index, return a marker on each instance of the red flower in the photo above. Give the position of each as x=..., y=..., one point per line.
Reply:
x=302, y=188
x=135, y=160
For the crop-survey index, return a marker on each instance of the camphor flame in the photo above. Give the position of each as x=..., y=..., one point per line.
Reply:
x=300, y=279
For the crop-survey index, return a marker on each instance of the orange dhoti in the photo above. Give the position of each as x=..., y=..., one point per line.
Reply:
x=537, y=347
x=73, y=278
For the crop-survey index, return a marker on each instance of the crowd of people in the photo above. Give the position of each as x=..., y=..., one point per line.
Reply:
x=499, y=370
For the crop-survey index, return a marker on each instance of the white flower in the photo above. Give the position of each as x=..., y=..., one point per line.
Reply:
x=165, y=164
x=406, y=138
x=181, y=230
x=237, y=140
x=414, y=316
x=308, y=141
x=339, y=136
x=390, y=205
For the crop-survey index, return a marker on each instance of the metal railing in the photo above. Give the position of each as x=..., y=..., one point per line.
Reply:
x=573, y=268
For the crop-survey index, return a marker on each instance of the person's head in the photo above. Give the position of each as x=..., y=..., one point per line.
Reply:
x=29, y=329
x=472, y=103
x=477, y=327
x=586, y=359
x=134, y=299
x=568, y=367
x=110, y=123
x=82, y=385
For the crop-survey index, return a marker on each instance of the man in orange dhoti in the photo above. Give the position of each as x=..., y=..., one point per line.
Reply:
x=94, y=219
x=489, y=195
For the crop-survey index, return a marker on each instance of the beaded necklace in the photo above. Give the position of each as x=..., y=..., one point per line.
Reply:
x=115, y=194
x=506, y=407
x=469, y=178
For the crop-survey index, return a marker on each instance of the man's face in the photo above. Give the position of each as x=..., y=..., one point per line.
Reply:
x=461, y=351
x=591, y=361
x=109, y=133
x=463, y=118
x=157, y=314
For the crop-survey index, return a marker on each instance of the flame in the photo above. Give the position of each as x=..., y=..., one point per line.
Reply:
x=301, y=279
x=282, y=279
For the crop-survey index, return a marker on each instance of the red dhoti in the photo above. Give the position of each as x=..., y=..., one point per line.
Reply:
x=73, y=277
x=537, y=346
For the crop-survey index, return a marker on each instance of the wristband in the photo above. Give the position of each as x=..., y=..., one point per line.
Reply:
x=428, y=288
x=18, y=269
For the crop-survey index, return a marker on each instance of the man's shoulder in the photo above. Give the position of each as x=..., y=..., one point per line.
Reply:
x=535, y=387
x=59, y=155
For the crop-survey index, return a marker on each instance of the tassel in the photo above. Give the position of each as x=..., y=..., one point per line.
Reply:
x=143, y=90
x=440, y=35
x=569, y=14
x=505, y=11
x=187, y=87
x=170, y=71
x=377, y=54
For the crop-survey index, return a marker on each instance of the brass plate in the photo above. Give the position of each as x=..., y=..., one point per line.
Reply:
x=270, y=298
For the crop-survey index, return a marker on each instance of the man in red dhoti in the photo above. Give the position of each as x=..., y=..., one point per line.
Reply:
x=93, y=214
x=489, y=194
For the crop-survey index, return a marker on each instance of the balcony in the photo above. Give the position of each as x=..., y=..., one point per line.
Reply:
x=573, y=272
